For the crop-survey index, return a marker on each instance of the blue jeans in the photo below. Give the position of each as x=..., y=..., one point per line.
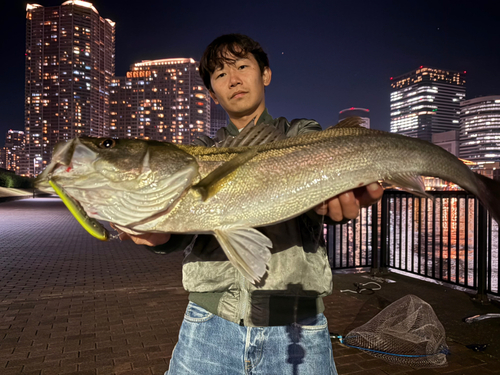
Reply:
x=210, y=345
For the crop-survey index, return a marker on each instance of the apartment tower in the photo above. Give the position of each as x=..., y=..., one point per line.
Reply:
x=426, y=101
x=480, y=129
x=163, y=100
x=12, y=155
x=70, y=61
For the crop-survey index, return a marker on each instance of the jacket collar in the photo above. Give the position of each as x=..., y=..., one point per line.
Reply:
x=265, y=117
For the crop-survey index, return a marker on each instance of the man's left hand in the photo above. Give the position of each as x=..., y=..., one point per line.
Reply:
x=347, y=205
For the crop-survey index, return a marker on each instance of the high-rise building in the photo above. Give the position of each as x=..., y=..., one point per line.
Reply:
x=124, y=122
x=356, y=112
x=13, y=155
x=448, y=140
x=480, y=129
x=163, y=100
x=426, y=101
x=70, y=60
x=218, y=118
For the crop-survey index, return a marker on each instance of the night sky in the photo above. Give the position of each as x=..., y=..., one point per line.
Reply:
x=325, y=55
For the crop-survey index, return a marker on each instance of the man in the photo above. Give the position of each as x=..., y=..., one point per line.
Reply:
x=275, y=327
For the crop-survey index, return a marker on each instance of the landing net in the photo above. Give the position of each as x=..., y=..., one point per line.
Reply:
x=407, y=332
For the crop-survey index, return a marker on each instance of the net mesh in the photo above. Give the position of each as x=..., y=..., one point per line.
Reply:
x=407, y=332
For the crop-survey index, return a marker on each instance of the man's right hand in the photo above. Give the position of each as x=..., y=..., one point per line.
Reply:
x=149, y=239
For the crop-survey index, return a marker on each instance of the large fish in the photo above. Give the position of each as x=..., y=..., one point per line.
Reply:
x=148, y=186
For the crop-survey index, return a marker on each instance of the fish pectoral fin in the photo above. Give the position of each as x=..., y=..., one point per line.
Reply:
x=410, y=183
x=210, y=184
x=247, y=249
x=350, y=122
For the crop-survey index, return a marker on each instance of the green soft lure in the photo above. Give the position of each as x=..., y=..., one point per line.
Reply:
x=91, y=225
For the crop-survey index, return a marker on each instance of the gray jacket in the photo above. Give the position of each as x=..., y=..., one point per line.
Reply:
x=299, y=273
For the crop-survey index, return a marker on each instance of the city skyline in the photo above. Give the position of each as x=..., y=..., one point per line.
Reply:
x=325, y=58
x=70, y=61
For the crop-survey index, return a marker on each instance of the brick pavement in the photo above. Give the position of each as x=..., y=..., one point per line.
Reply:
x=70, y=304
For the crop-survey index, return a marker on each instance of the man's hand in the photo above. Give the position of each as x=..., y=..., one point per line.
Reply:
x=149, y=239
x=347, y=205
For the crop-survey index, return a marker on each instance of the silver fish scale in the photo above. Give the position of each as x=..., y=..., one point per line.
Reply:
x=282, y=182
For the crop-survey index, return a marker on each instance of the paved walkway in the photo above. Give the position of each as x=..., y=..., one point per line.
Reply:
x=12, y=193
x=70, y=304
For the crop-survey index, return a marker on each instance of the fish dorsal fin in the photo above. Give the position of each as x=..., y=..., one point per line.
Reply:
x=230, y=140
x=247, y=249
x=410, y=183
x=209, y=185
x=253, y=135
x=257, y=135
x=350, y=122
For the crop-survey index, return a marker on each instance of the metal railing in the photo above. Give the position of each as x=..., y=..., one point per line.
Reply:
x=450, y=238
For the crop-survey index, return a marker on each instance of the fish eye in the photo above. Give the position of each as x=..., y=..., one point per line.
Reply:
x=107, y=143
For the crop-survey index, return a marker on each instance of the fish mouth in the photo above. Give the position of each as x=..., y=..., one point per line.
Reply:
x=44, y=179
x=61, y=159
x=92, y=226
x=67, y=157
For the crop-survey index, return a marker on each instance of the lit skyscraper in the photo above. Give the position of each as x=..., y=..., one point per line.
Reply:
x=70, y=60
x=426, y=101
x=12, y=155
x=480, y=129
x=124, y=122
x=163, y=100
x=356, y=112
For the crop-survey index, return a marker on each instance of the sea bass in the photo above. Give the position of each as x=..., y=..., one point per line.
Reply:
x=148, y=186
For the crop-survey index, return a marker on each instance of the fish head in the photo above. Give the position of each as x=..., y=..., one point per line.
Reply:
x=120, y=180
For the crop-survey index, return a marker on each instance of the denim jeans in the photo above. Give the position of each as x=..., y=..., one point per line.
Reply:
x=210, y=345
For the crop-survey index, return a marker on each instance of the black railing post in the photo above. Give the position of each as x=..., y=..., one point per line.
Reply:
x=482, y=250
x=375, y=249
x=384, y=263
x=382, y=253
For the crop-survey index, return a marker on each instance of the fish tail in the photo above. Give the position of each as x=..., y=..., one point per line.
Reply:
x=489, y=195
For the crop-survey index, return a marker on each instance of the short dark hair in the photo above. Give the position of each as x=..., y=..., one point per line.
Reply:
x=238, y=45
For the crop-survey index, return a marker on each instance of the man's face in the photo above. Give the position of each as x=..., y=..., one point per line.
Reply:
x=239, y=87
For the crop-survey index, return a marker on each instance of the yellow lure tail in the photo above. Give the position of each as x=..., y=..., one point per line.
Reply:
x=91, y=225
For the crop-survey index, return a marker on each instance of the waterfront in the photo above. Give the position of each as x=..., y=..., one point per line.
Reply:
x=439, y=238
x=435, y=238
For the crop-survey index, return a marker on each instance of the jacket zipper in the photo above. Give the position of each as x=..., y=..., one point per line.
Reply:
x=243, y=305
